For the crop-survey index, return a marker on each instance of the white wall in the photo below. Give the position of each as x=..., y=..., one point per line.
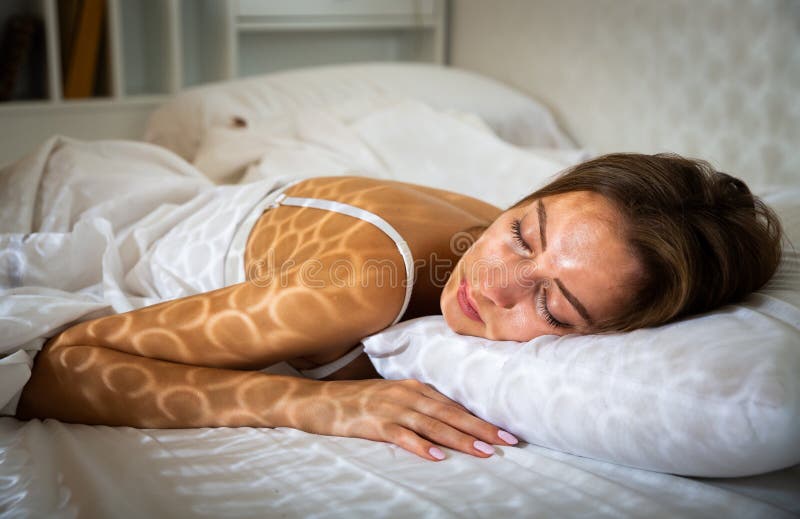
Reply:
x=715, y=79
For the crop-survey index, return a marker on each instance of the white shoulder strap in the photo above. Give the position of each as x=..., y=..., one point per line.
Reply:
x=370, y=217
x=332, y=367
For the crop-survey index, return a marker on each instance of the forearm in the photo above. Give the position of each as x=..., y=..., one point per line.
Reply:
x=94, y=385
x=97, y=386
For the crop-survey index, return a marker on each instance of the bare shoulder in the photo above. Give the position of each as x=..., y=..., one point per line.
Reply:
x=474, y=206
x=342, y=277
x=369, y=190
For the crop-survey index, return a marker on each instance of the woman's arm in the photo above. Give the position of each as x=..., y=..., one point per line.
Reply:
x=302, y=312
x=176, y=364
x=95, y=385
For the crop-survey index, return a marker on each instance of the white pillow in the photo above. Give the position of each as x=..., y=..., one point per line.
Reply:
x=181, y=123
x=715, y=395
x=402, y=140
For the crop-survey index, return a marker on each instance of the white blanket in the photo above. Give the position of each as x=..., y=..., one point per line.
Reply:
x=91, y=228
x=49, y=469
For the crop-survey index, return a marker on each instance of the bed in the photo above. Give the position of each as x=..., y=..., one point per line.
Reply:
x=426, y=124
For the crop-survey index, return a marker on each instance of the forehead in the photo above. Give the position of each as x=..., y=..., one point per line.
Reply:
x=587, y=250
x=578, y=221
x=580, y=203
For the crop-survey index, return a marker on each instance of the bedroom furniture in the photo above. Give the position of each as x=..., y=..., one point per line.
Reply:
x=157, y=48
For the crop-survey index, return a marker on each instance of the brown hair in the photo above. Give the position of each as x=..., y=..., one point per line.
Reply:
x=702, y=238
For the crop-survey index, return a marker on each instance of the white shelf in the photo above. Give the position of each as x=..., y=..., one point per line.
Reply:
x=334, y=8
x=315, y=32
x=333, y=25
x=156, y=48
x=163, y=46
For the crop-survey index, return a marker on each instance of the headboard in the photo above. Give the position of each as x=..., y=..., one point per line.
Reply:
x=716, y=79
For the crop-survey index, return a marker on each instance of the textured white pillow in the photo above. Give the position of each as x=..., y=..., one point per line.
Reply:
x=181, y=123
x=714, y=395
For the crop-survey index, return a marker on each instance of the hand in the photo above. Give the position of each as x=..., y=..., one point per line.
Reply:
x=407, y=413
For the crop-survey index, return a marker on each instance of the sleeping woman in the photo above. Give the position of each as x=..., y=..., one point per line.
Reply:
x=617, y=243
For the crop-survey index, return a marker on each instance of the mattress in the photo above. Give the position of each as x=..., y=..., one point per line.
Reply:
x=51, y=469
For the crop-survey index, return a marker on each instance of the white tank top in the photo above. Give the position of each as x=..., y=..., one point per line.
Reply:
x=235, y=269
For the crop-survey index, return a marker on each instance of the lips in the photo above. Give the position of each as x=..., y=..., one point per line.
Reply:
x=466, y=304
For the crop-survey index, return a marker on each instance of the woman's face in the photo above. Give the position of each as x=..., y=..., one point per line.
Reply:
x=552, y=266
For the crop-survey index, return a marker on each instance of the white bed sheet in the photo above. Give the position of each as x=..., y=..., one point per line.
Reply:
x=50, y=469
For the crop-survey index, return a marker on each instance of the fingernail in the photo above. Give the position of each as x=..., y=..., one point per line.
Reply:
x=507, y=437
x=437, y=453
x=483, y=447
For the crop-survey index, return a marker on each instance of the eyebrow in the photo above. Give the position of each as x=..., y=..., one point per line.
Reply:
x=542, y=223
x=567, y=294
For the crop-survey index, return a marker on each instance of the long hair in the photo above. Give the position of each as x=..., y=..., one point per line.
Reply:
x=702, y=238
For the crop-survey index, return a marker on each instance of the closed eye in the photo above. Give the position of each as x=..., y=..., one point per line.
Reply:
x=542, y=310
x=516, y=231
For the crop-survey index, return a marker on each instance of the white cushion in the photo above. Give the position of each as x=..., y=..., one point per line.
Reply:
x=716, y=395
x=181, y=123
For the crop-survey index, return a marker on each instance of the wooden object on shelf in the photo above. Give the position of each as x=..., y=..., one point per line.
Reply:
x=84, y=50
x=17, y=45
x=68, y=11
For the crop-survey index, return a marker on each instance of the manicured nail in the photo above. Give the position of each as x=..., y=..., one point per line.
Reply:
x=507, y=437
x=483, y=447
x=437, y=453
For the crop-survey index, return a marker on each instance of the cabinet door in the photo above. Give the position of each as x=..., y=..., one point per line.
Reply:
x=334, y=7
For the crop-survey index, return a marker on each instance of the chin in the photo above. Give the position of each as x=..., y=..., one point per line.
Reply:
x=448, y=323
x=446, y=302
x=445, y=311
x=451, y=316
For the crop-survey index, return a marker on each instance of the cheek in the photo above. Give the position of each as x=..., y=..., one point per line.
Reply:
x=487, y=247
x=519, y=324
x=486, y=263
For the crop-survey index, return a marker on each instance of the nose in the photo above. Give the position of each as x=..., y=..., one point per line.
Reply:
x=499, y=296
x=507, y=284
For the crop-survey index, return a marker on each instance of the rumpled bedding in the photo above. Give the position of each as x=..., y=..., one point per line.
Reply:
x=51, y=469
x=91, y=228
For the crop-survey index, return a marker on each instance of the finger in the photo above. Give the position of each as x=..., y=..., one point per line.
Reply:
x=414, y=443
x=430, y=392
x=444, y=434
x=457, y=415
x=466, y=422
